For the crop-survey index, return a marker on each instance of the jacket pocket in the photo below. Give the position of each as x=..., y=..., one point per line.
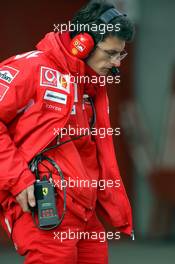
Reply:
x=10, y=212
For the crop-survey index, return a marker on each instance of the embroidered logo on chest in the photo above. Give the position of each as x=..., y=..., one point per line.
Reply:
x=53, y=78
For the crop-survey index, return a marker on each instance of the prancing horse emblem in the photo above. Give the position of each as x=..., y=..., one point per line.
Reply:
x=45, y=191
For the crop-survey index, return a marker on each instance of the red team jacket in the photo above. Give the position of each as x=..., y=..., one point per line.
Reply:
x=34, y=103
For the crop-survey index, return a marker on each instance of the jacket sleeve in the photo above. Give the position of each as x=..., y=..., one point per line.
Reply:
x=15, y=92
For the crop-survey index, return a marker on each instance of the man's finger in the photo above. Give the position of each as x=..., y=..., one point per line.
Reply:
x=23, y=203
x=30, y=195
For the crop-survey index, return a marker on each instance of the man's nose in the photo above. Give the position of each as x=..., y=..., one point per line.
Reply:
x=116, y=63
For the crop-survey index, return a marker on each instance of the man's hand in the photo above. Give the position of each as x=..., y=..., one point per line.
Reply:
x=26, y=198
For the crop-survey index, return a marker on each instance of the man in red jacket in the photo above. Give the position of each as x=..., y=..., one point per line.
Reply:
x=40, y=94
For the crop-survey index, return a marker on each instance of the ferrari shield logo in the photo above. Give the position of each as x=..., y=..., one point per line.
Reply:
x=45, y=191
x=63, y=82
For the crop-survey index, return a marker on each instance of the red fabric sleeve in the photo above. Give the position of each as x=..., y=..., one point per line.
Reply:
x=15, y=175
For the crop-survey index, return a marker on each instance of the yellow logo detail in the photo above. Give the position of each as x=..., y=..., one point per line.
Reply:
x=74, y=51
x=45, y=191
x=63, y=82
x=76, y=43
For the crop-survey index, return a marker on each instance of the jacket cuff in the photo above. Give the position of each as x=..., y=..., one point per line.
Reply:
x=24, y=181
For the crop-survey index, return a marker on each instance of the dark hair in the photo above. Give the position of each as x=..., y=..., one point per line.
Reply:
x=90, y=14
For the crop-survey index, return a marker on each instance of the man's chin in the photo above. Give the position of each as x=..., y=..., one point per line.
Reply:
x=104, y=72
